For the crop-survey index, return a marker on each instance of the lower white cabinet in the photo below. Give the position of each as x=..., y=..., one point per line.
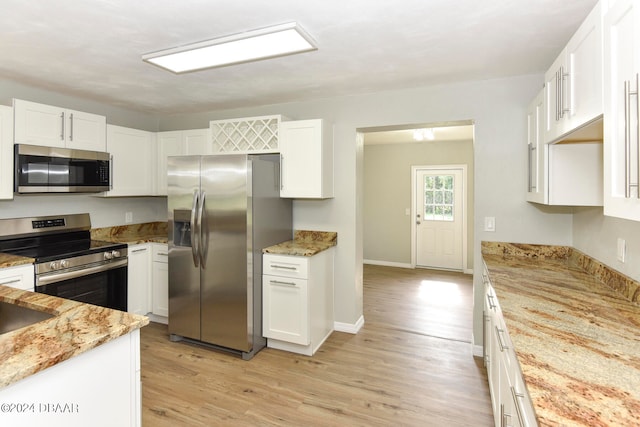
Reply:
x=509, y=398
x=148, y=282
x=139, y=279
x=297, y=296
x=21, y=277
x=98, y=388
x=160, y=280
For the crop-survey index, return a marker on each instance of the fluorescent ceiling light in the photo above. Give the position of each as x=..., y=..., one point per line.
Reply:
x=269, y=42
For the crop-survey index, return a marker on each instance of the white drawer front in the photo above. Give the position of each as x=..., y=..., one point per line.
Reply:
x=285, y=266
x=160, y=253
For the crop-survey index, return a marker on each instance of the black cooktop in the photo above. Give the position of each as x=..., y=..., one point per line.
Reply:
x=57, y=246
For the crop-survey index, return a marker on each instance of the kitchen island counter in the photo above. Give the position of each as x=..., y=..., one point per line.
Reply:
x=574, y=324
x=74, y=329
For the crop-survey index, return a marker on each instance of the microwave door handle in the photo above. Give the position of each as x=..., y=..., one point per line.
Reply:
x=204, y=231
x=195, y=233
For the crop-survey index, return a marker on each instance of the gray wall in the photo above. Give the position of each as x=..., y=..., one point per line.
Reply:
x=498, y=108
x=387, y=193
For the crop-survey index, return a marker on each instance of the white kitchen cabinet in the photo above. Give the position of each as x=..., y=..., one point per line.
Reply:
x=6, y=152
x=51, y=126
x=178, y=143
x=21, y=277
x=510, y=400
x=306, y=150
x=98, y=388
x=139, y=279
x=622, y=116
x=536, y=152
x=133, y=161
x=297, y=295
x=573, y=83
x=160, y=280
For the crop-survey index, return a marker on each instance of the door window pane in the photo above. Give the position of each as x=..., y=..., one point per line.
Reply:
x=438, y=197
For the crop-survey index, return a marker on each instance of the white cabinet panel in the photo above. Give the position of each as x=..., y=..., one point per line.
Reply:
x=622, y=118
x=133, y=159
x=287, y=316
x=169, y=144
x=197, y=141
x=21, y=277
x=573, y=83
x=6, y=153
x=139, y=279
x=306, y=150
x=536, y=152
x=51, y=126
x=160, y=280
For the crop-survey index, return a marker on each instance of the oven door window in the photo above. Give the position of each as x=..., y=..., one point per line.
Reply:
x=106, y=289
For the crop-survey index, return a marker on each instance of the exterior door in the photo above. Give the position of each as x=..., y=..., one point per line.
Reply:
x=439, y=218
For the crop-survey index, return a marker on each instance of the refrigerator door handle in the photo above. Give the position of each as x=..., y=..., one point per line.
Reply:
x=204, y=230
x=195, y=233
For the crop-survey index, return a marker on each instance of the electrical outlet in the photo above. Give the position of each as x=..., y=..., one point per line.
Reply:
x=622, y=250
x=407, y=211
x=489, y=223
x=128, y=217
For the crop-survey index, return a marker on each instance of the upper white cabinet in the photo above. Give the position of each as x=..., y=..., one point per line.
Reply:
x=306, y=149
x=6, y=152
x=178, y=143
x=133, y=161
x=51, y=126
x=573, y=83
x=536, y=152
x=621, y=101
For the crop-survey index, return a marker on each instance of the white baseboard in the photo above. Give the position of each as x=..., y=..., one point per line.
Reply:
x=158, y=319
x=351, y=328
x=387, y=263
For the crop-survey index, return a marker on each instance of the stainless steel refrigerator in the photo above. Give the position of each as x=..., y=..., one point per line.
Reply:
x=223, y=210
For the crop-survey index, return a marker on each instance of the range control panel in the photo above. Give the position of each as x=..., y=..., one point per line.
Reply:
x=47, y=223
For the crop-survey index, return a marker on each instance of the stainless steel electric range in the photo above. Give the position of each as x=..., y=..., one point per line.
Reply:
x=68, y=263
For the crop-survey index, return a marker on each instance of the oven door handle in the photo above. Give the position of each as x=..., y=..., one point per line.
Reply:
x=47, y=279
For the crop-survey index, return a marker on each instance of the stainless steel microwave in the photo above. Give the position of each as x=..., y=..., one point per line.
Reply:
x=60, y=170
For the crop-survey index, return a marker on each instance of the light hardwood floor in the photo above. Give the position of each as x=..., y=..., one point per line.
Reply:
x=410, y=365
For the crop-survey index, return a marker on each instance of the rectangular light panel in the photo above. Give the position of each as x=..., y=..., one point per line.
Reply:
x=270, y=42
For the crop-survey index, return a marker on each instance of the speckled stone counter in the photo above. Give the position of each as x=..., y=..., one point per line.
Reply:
x=305, y=243
x=7, y=260
x=74, y=329
x=132, y=233
x=575, y=328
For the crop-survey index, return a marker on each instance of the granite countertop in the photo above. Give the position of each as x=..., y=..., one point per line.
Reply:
x=305, y=243
x=150, y=232
x=8, y=260
x=575, y=325
x=75, y=328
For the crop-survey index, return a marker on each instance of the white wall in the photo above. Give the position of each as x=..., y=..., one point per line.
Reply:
x=498, y=108
x=597, y=235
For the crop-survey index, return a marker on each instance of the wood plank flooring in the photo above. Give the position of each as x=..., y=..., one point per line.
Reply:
x=410, y=365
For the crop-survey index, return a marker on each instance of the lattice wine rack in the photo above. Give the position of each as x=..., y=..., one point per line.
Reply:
x=246, y=135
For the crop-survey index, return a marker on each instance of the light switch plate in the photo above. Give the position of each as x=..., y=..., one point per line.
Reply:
x=622, y=250
x=489, y=223
x=128, y=217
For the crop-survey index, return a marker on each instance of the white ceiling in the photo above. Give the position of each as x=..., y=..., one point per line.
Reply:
x=92, y=49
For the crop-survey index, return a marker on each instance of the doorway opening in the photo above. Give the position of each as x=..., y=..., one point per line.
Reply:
x=392, y=155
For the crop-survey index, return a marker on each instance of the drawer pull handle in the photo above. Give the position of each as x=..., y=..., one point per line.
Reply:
x=516, y=399
x=162, y=253
x=11, y=281
x=139, y=250
x=284, y=267
x=278, y=282
x=492, y=306
x=502, y=345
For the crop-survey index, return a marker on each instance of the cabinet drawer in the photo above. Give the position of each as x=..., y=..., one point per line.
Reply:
x=285, y=266
x=160, y=253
